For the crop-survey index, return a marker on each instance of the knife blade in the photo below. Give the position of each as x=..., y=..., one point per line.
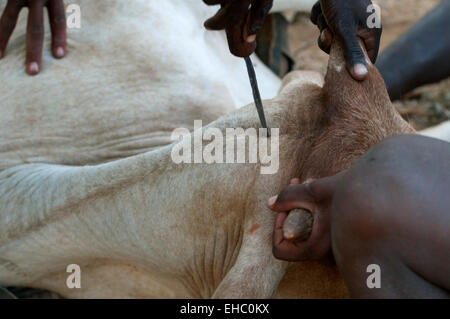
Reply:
x=256, y=94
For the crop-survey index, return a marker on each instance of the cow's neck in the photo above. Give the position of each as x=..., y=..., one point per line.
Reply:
x=357, y=115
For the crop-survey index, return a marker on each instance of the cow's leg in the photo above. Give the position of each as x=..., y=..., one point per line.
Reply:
x=392, y=210
x=53, y=216
x=256, y=273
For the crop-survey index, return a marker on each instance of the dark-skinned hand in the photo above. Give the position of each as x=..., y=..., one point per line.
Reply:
x=315, y=197
x=35, y=29
x=241, y=19
x=348, y=20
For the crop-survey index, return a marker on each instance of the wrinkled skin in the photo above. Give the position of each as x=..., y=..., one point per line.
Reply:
x=35, y=29
x=390, y=208
x=146, y=238
x=315, y=197
x=241, y=20
x=348, y=20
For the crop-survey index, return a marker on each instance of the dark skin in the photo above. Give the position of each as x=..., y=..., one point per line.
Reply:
x=35, y=29
x=391, y=208
x=240, y=18
x=316, y=198
x=347, y=19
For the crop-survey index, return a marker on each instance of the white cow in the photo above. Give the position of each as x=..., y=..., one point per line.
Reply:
x=87, y=177
x=441, y=131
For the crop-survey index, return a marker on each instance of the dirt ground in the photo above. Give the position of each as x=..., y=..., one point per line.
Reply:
x=424, y=107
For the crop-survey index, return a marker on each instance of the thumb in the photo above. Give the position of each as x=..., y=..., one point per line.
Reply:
x=292, y=197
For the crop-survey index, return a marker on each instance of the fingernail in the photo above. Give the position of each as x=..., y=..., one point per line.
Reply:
x=272, y=200
x=360, y=70
x=33, y=68
x=251, y=38
x=287, y=234
x=59, y=52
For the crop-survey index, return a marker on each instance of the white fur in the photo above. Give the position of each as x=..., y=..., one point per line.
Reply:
x=85, y=171
x=441, y=131
x=86, y=175
x=293, y=5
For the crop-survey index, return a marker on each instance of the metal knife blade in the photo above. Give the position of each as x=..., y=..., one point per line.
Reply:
x=256, y=94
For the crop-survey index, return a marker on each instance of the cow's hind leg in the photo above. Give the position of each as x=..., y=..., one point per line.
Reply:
x=256, y=273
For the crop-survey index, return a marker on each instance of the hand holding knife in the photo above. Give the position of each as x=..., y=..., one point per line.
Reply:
x=241, y=19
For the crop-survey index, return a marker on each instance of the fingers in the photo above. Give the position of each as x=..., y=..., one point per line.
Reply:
x=8, y=23
x=324, y=41
x=35, y=38
x=258, y=12
x=314, y=234
x=325, y=38
x=241, y=19
x=356, y=61
x=238, y=37
x=292, y=197
x=315, y=12
x=35, y=30
x=284, y=249
x=305, y=196
x=322, y=190
x=348, y=21
x=316, y=247
x=219, y=20
x=371, y=40
x=57, y=18
x=298, y=225
x=321, y=22
x=213, y=2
